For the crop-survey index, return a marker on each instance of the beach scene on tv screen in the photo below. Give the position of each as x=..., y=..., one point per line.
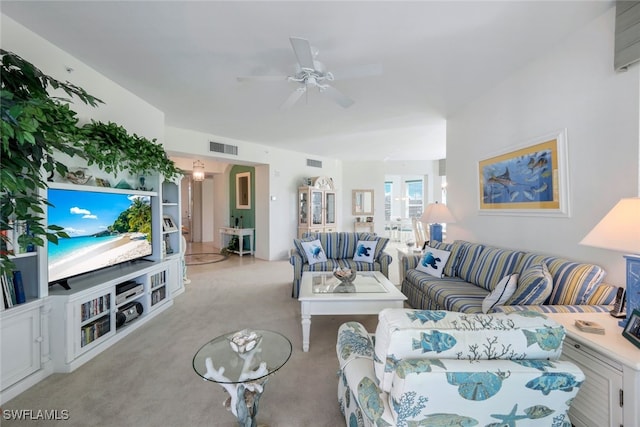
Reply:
x=104, y=229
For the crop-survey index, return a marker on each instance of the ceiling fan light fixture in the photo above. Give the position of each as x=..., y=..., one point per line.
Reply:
x=198, y=171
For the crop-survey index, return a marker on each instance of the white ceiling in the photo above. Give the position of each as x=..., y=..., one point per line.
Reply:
x=184, y=57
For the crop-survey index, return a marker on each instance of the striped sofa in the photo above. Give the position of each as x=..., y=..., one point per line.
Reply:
x=339, y=248
x=473, y=270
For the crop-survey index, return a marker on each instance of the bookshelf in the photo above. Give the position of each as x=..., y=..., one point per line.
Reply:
x=84, y=319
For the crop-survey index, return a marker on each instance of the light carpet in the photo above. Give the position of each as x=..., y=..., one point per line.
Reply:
x=147, y=379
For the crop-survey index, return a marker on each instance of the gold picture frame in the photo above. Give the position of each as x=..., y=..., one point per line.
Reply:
x=531, y=179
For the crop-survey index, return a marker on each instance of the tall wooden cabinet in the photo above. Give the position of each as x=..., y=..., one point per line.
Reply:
x=317, y=205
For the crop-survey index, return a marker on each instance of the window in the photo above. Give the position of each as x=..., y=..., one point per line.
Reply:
x=388, y=196
x=414, y=192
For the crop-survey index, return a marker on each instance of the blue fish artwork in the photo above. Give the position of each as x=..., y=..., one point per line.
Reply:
x=425, y=316
x=547, y=338
x=429, y=260
x=436, y=341
x=362, y=250
x=550, y=381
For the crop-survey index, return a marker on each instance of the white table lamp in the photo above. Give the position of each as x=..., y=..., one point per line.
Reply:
x=619, y=230
x=435, y=214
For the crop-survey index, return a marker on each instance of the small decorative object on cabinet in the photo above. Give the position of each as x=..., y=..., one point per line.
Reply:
x=611, y=391
x=317, y=206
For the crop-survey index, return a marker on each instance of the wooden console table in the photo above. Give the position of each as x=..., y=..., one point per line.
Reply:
x=363, y=226
x=226, y=233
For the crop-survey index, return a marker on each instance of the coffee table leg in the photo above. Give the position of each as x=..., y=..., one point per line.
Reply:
x=306, y=329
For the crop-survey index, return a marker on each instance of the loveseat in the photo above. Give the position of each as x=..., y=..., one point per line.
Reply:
x=338, y=250
x=439, y=368
x=475, y=273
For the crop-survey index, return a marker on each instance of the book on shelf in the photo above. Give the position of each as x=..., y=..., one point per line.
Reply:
x=6, y=294
x=18, y=286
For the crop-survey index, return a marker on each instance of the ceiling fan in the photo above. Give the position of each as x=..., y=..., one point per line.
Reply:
x=311, y=73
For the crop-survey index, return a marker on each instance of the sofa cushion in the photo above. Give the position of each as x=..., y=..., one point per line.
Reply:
x=365, y=250
x=572, y=280
x=455, y=249
x=314, y=251
x=501, y=293
x=297, y=243
x=348, y=242
x=534, y=286
x=602, y=294
x=433, y=262
x=467, y=258
x=492, y=265
x=406, y=334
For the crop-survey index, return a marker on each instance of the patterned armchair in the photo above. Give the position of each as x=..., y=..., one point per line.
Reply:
x=437, y=368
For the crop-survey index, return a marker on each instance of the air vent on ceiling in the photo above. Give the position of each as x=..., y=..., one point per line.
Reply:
x=223, y=148
x=314, y=163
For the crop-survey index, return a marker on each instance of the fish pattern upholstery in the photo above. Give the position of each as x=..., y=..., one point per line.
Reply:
x=432, y=368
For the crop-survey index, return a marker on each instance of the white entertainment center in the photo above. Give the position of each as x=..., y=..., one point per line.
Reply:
x=57, y=330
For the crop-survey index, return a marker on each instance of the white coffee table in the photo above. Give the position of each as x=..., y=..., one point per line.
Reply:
x=320, y=294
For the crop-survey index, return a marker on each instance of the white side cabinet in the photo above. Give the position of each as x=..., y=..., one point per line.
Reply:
x=21, y=351
x=611, y=391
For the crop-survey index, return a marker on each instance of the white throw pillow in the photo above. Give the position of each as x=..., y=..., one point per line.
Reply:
x=433, y=261
x=502, y=292
x=314, y=251
x=365, y=250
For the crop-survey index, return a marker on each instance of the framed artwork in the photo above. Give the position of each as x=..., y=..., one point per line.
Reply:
x=531, y=179
x=243, y=190
x=168, y=224
x=632, y=330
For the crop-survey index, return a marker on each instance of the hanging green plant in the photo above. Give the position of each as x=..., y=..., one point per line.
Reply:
x=35, y=128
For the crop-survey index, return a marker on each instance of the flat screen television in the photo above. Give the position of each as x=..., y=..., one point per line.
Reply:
x=105, y=229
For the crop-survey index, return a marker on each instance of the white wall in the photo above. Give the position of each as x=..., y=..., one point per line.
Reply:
x=121, y=106
x=573, y=87
x=278, y=175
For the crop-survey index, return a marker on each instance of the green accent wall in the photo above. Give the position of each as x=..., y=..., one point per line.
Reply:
x=248, y=215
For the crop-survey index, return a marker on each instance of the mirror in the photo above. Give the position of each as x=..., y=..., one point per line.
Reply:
x=243, y=190
x=362, y=203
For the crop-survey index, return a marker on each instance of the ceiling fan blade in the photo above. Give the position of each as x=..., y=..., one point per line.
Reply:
x=369, y=70
x=293, y=98
x=302, y=49
x=262, y=78
x=342, y=99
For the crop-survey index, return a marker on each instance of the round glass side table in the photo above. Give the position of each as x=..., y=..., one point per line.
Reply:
x=242, y=367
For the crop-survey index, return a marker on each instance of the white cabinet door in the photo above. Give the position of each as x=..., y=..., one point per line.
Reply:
x=20, y=353
x=598, y=401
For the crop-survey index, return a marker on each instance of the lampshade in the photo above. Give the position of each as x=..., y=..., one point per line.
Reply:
x=619, y=230
x=436, y=213
x=198, y=171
